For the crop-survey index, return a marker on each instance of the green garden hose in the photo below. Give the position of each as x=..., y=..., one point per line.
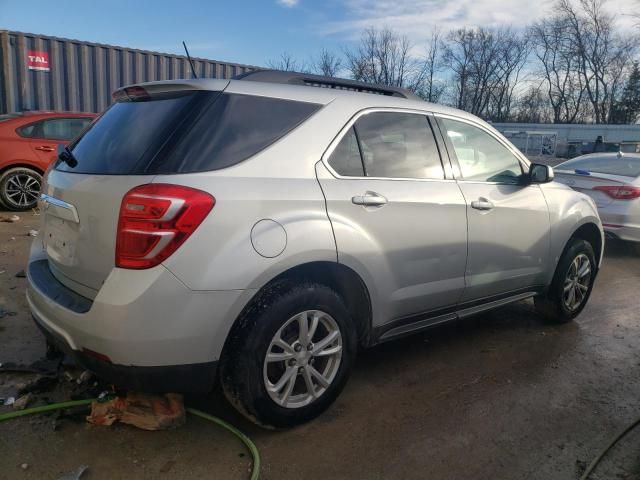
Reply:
x=255, y=470
x=615, y=440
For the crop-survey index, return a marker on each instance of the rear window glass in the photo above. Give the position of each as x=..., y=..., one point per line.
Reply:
x=623, y=165
x=184, y=133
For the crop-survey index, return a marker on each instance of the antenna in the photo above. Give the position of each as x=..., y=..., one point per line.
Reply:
x=193, y=70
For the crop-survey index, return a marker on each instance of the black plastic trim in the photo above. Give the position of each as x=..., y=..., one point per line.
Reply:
x=420, y=321
x=190, y=378
x=43, y=280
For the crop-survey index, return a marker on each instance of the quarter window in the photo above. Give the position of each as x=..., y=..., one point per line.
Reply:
x=398, y=145
x=482, y=157
x=346, y=159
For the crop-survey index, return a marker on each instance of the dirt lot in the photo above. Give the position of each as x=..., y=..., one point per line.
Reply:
x=499, y=396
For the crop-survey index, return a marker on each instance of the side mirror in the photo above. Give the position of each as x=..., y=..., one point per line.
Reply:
x=539, y=173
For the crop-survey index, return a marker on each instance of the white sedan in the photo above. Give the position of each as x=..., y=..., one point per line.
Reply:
x=613, y=181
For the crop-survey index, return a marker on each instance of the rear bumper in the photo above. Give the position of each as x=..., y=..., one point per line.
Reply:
x=193, y=378
x=146, y=326
x=621, y=219
x=622, y=232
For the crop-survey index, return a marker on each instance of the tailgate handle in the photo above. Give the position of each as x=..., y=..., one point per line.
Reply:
x=369, y=199
x=59, y=208
x=45, y=148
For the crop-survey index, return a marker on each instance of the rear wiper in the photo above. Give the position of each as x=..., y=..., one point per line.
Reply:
x=582, y=172
x=67, y=157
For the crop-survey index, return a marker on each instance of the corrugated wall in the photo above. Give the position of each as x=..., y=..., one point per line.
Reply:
x=83, y=75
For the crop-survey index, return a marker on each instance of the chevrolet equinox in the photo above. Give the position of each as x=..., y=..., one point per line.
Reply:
x=257, y=232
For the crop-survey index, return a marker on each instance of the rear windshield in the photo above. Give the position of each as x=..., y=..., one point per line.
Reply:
x=625, y=166
x=188, y=132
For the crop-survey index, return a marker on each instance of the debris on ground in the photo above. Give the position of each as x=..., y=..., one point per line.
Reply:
x=145, y=411
x=7, y=313
x=76, y=474
x=21, y=274
x=24, y=466
x=33, y=233
x=23, y=402
x=10, y=218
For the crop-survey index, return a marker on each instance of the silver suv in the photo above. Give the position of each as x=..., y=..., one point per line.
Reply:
x=257, y=232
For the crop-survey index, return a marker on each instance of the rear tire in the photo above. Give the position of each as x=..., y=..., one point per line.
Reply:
x=272, y=372
x=20, y=188
x=572, y=283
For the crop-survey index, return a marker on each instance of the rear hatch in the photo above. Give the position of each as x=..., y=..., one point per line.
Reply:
x=585, y=182
x=151, y=129
x=83, y=195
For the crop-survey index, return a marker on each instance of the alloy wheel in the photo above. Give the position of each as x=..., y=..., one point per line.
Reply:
x=303, y=359
x=22, y=190
x=577, y=282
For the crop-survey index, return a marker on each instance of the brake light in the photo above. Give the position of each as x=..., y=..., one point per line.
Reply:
x=155, y=219
x=621, y=192
x=130, y=94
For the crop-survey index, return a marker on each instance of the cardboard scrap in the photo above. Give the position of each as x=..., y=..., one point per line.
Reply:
x=145, y=411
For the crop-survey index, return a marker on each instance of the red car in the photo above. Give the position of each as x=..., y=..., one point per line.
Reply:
x=28, y=144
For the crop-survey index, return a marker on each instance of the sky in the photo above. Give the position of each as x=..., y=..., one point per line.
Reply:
x=256, y=31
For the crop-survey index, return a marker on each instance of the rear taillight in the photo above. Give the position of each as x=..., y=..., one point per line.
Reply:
x=155, y=219
x=620, y=192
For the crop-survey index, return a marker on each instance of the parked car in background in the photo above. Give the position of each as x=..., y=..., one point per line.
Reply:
x=258, y=232
x=613, y=181
x=28, y=144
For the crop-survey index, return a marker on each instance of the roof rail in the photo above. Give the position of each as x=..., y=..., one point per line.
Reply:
x=308, y=79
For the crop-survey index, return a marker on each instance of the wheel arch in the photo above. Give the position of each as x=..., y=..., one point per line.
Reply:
x=589, y=232
x=342, y=279
x=21, y=164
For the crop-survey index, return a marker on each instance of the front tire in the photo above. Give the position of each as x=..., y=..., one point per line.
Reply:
x=20, y=188
x=290, y=355
x=572, y=283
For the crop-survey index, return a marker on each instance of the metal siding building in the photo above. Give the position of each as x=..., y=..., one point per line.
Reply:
x=81, y=76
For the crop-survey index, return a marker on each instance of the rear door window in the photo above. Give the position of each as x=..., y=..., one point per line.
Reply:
x=398, y=145
x=63, y=128
x=184, y=132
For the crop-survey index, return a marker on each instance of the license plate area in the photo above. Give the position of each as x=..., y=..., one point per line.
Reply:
x=60, y=239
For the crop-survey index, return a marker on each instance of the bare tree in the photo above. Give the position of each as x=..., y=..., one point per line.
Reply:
x=432, y=89
x=553, y=47
x=286, y=62
x=382, y=57
x=533, y=107
x=515, y=52
x=327, y=63
x=485, y=65
x=603, y=53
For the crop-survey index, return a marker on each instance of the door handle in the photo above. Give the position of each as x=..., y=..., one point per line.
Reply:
x=45, y=148
x=369, y=199
x=482, y=204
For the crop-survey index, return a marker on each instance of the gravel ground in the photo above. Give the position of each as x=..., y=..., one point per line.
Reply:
x=498, y=396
